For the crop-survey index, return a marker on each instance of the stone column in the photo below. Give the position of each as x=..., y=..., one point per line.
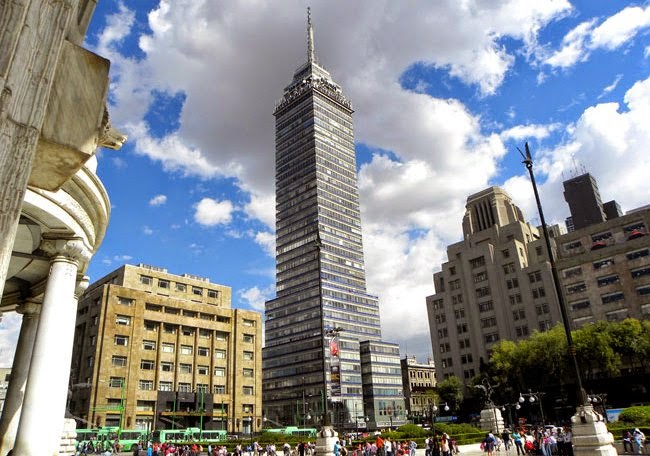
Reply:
x=19, y=370
x=41, y=421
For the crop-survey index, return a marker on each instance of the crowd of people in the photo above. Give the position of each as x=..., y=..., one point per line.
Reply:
x=547, y=441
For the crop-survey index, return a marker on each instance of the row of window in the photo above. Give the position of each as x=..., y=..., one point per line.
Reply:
x=148, y=385
x=168, y=347
x=181, y=287
x=183, y=368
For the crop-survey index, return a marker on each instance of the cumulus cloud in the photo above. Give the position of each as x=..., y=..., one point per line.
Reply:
x=158, y=200
x=211, y=212
x=255, y=297
x=147, y=230
x=429, y=153
x=610, y=34
x=9, y=331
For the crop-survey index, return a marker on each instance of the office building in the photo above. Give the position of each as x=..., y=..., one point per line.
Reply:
x=154, y=350
x=582, y=195
x=496, y=285
x=418, y=381
x=322, y=312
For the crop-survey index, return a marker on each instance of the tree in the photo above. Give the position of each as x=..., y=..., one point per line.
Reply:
x=595, y=350
x=450, y=390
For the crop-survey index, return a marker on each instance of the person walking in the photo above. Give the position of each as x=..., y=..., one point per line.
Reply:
x=639, y=439
x=519, y=443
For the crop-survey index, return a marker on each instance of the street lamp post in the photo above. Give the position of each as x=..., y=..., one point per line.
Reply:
x=596, y=398
x=532, y=397
x=582, y=396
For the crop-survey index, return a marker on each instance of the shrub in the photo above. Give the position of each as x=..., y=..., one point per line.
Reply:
x=638, y=416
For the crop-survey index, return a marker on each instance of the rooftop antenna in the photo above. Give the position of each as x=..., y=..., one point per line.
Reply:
x=310, y=38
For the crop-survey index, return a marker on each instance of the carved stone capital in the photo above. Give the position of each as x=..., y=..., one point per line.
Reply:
x=29, y=308
x=73, y=249
x=82, y=285
x=110, y=137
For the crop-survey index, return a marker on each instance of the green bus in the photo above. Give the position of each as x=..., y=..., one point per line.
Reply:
x=294, y=431
x=191, y=434
x=104, y=438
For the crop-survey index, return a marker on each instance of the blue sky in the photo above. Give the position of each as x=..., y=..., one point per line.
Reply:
x=443, y=92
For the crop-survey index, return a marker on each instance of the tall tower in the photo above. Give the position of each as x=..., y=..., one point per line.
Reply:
x=582, y=195
x=320, y=276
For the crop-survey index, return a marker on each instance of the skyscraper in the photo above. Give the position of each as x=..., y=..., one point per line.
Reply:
x=582, y=195
x=321, y=300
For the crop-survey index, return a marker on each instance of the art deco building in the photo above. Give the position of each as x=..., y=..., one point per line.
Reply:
x=496, y=285
x=158, y=350
x=320, y=276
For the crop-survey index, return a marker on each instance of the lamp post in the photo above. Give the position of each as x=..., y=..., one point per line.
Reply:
x=532, y=397
x=598, y=398
x=582, y=396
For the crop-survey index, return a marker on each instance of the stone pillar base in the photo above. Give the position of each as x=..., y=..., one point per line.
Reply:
x=491, y=420
x=68, y=438
x=590, y=434
x=325, y=441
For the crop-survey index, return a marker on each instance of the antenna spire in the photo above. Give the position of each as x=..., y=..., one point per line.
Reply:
x=310, y=38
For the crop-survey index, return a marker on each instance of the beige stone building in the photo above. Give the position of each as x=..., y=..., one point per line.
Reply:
x=154, y=350
x=496, y=285
x=418, y=382
x=605, y=269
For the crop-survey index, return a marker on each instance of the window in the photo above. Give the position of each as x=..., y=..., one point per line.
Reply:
x=188, y=331
x=612, y=297
x=454, y=284
x=189, y=313
x=462, y=328
x=121, y=340
x=223, y=319
x=249, y=338
x=146, y=280
x=206, y=316
x=576, y=288
x=444, y=348
x=438, y=304
x=163, y=283
x=172, y=311
x=508, y=268
x=638, y=254
x=150, y=325
x=456, y=299
x=521, y=331
x=515, y=299
x=145, y=385
x=535, y=277
x=247, y=390
x=214, y=294
x=640, y=272
x=572, y=272
x=186, y=349
x=164, y=386
x=201, y=388
x=572, y=245
x=459, y=313
x=220, y=354
x=119, y=361
x=505, y=253
x=184, y=388
x=488, y=322
x=442, y=333
x=185, y=368
x=219, y=371
x=147, y=364
x=538, y=250
x=125, y=301
x=197, y=291
x=205, y=333
x=466, y=359
x=452, y=270
x=250, y=323
x=490, y=338
x=463, y=343
x=219, y=389
x=482, y=292
x=124, y=320
x=545, y=325
x=477, y=262
x=153, y=307
x=579, y=305
x=601, y=237
x=220, y=335
x=115, y=382
x=170, y=329
x=167, y=347
x=181, y=287
x=248, y=355
x=203, y=351
x=148, y=345
x=440, y=318
x=248, y=373
x=166, y=366
x=643, y=291
x=603, y=263
x=518, y=314
x=202, y=370
x=608, y=280
x=480, y=277
x=542, y=309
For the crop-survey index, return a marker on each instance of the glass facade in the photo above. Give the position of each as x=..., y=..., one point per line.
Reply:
x=320, y=274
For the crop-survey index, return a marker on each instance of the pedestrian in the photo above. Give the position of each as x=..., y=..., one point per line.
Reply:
x=639, y=439
x=488, y=443
x=627, y=441
x=519, y=444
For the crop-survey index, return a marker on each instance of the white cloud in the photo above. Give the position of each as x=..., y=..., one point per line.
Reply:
x=211, y=212
x=266, y=240
x=147, y=231
x=520, y=132
x=255, y=297
x=158, y=200
x=612, y=86
x=612, y=33
x=9, y=331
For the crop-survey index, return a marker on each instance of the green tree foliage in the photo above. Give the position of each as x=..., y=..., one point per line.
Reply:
x=636, y=416
x=601, y=348
x=450, y=390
